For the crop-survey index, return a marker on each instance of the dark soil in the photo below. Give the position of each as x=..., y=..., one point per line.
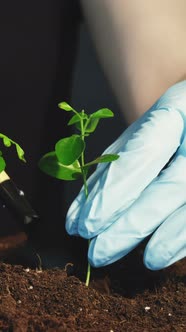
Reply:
x=125, y=296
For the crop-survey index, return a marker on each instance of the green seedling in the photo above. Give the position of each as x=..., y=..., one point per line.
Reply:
x=9, y=142
x=67, y=161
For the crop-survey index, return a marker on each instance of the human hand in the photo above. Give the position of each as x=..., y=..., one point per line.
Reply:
x=142, y=193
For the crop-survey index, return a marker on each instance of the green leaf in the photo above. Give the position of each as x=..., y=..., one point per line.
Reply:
x=20, y=152
x=69, y=149
x=74, y=119
x=50, y=165
x=64, y=106
x=106, y=158
x=102, y=113
x=77, y=118
x=2, y=164
x=78, y=125
x=92, y=124
x=6, y=141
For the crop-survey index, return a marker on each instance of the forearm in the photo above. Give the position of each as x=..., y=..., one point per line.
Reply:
x=141, y=46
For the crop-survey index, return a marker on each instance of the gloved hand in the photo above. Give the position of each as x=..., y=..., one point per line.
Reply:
x=142, y=193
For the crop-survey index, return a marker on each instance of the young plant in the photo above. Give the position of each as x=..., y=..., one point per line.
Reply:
x=12, y=197
x=8, y=142
x=67, y=161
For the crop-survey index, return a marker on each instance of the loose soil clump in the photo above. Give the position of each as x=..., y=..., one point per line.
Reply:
x=124, y=296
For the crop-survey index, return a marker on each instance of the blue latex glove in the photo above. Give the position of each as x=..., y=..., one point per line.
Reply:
x=134, y=196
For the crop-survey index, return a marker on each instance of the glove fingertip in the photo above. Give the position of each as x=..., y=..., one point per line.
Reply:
x=71, y=226
x=156, y=258
x=92, y=257
x=84, y=232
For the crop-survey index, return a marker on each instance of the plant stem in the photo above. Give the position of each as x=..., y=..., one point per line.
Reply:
x=85, y=191
x=88, y=271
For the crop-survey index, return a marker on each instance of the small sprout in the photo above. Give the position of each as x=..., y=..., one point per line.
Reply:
x=30, y=287
x=19, y=302
x=9, y=142
x=39, y=268
x=67, y=161
x=38, y=271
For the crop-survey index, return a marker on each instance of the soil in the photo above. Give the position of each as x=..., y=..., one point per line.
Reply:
x=124, y=296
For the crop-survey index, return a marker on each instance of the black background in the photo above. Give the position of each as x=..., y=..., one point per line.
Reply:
x=46, y=57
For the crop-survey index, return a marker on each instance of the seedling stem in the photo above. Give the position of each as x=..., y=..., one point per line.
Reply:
x=67, y=161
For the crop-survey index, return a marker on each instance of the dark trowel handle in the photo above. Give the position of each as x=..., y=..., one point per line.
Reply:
x=15, y=201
